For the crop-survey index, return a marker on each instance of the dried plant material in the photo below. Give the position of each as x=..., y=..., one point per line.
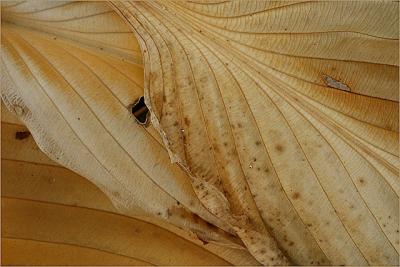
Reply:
x=37, y=183
x=238, y=90
x=77, y=111
x=281, y=117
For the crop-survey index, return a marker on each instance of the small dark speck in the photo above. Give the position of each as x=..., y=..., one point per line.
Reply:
x=187, y=121
x=279, y=147
x=296, y=195
x=22, y=135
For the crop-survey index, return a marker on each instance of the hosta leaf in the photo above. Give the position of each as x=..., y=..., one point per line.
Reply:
x=285, y=115
x=125, y=237
x=32, y=178
x=73, y=92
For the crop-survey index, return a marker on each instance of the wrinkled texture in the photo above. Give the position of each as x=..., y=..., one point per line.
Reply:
x=281, y=117
x=76, y=108
x=58, y=204
x=285, y=114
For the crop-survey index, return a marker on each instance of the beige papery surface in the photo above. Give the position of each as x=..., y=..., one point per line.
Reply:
x=281, y=118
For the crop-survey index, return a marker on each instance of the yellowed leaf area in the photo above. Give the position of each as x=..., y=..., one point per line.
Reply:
x=273, y=137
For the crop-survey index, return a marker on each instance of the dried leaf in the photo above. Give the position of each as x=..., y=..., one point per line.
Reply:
x=32, y=180
x=73, y=92
x=286, y=117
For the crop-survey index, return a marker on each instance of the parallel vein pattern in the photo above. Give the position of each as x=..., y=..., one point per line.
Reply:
x=285, y=115
x=73, y=92
x=43, y=205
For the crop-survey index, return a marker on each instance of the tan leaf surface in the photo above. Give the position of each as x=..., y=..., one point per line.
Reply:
x=285, y=114
x=68, y=82
x=37, y=183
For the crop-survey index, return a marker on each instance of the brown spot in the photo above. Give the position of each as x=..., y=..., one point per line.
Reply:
x=291, y=243
x=176, y=123
x=362, y=181
x=296, y=195
x=196, y=218
x=211, y=225
x=279, y=147
x=258, y=143
x=266, y=170
x=203, y=241
x=187, y=121
x=240, y=125
x=22, y=135
x=225, y=144
x=262, y=251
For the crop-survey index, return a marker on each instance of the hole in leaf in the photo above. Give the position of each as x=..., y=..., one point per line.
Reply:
x=140, y=111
